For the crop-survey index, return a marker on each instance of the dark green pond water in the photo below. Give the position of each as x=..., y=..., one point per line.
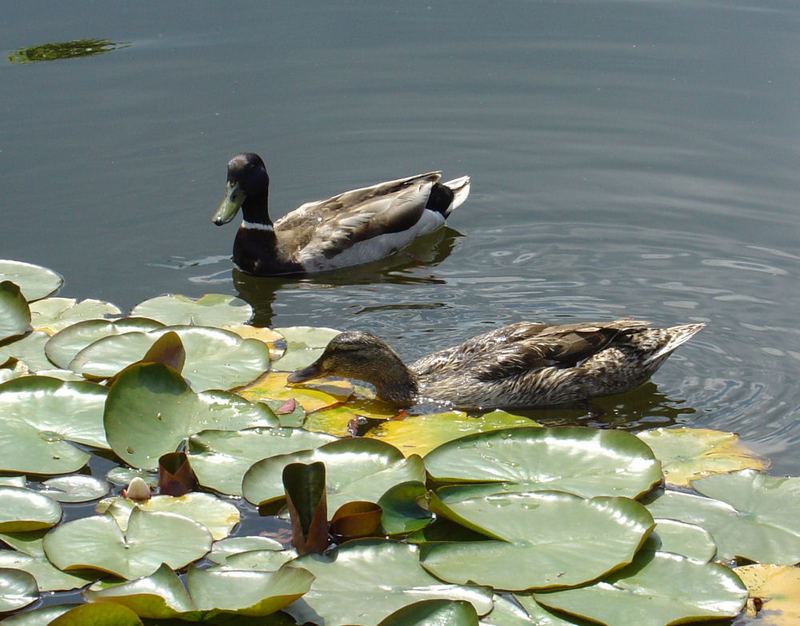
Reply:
x=632, y=158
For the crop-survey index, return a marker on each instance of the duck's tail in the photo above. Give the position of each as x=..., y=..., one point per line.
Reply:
x=447, y=197
x=677, y=335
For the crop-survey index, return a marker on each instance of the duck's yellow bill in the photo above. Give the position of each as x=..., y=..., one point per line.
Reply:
x=233, y=201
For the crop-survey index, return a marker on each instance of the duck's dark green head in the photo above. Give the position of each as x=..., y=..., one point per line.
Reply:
x=247, y=178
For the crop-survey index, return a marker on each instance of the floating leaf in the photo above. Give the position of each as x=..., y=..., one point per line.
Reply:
x=17, y=589
x=62, y=347
x=15, y=317
x=151, y=409
x=25, y=510
x=690, y=453
x=48, y=578
x=401, y=511
x=356, y=519
x=38, y=616
x=260, y=560
x=776, y=586
x=29, y=349
x=54, y=314
x=76, y=488
x=212, y=309
x=688, y=540
x=536, y=614
x=266, y=335
x=340, y=420
x=439, y=612
x=220, y=458
x=357, y=469
x=215, y=358
x=100, y=614
x=304, y=486
x=582, y=461
x=657, y=588
x=124, y=475
x=273, y=386
x=35, y=281
x=41, y=416
x=29, y=542
x=365, y=581
x=151, y=538
x=13, y=481
x=419, y=434
x=304, y=344
x=540, y=533
x=226, y=548
x=167, y=350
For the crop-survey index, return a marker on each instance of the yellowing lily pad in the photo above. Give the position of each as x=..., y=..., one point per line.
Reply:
x=338, y=420
x=273, y=386
x=687, y=454
x=419, y=434
x=778, y=588
x=265, y=335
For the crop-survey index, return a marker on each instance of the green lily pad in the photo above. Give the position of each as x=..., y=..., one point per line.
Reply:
x=401, y=511
x=25, y=510
x=53, y=314
x=439, y=612
x=15, y=316
x=583, y=461
x=28, y=349
x=223, y=549
x=123, y=476
x=76, y=488
x=260, y=560
x=62, y=347
x=304, y=344
x=99, y=614
x=688, y=540
x=220, y=458
x=13, y=481
x=690, y=453
x=357, y=469
x=419, y=434
x=151, y=409
x=29, y=542
x=41, y=416
x=776, y=586
x=540, y=615
x=48, y=578
x=215, y=358
x=217, y=515
x=38, y=616
x=539, y=532
x=657, y=588
x=755, y=517
x=17, y=589
x=151, y=539
x=365, y=581
x=212, y=309
x=35, y=281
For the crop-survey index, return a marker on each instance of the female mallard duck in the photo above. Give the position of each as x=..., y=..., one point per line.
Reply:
x=354, y=227
x=522, y=365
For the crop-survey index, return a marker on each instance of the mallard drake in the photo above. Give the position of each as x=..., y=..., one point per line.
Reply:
x=521, y=365
x=351, y=228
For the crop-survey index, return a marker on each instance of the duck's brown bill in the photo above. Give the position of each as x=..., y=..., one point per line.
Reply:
x=307, y=373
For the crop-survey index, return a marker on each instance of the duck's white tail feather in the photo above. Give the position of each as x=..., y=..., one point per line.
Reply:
x=460, y=189
x=678, y=336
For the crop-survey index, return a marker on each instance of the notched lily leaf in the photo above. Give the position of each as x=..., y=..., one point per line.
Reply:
x=304, y=485
x=175, y=475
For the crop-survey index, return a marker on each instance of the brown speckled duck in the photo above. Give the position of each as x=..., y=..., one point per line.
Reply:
x=354, y=227
x=521, y=365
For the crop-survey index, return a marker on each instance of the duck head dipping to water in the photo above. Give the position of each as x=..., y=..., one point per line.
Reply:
x=351, y=228
x=521, y=365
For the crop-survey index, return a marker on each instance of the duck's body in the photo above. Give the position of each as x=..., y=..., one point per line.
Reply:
x=520, y=365
x=354, y=227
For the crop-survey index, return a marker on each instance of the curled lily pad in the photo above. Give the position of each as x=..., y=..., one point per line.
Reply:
x=215, y=358
x=365, y=581
x=211, y=309
x=304, y=344
x=401, y=510
x=62, y=347
x=53, y=314
x=776, y=586
x=357, y=469
x=690, y=453
x=76, y=488
x=151, y=409
x=221, y=458
x=17, y=589
x=15, y=316
x=152, y=538
x=582, y=461
x=41, y=416
x=48, y=578
x=35, y=281
x=657, y=588
x=25, y=510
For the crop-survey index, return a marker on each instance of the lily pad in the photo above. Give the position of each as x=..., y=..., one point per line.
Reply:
x=583, y=461
x=13, y=481
x=76, y=488
x=260, y=560
x=365, y=581
x=25, y=510
x=304, y=344
x=212, y=309
x=342, y=420
x=35, y=281
x=273, y=386
x=62, y=347
x=419, y=434
x=439, y=612
x=357, y=469
x=48, y=578
x=221, y=458
x=539, y=615
x=271, y=338
x=15, y=316
x=28, y=349
x=54, y=314
x=100, y=614
x=222, y=550
x=122, y=476
x=151, y=539
x=151, y=409
x=688, y=540
x=657, y=588
x=38, y=616
x=41, y=416
x=17, y=589
x=215, y=358
x=401, y=510
x=690, y=453
x=540, y=533
x=776, y=586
